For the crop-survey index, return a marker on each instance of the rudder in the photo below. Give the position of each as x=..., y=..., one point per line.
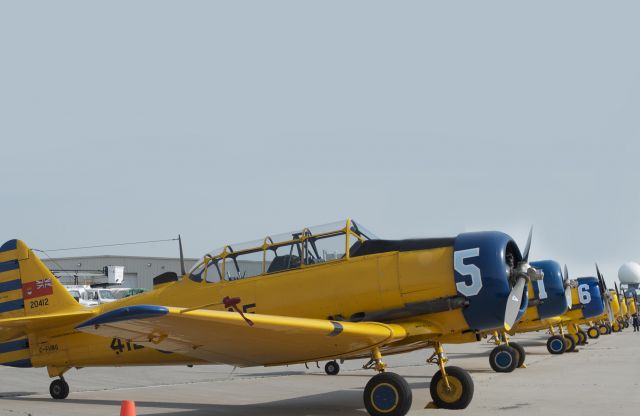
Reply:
x=27, y=286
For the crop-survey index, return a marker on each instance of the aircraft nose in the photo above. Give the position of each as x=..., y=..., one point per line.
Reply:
x=550, y=291
x=483, y=273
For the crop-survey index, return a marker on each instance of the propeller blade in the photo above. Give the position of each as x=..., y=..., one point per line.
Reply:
x=601, y=278
x=567, y=288
x=513, y=303
x=182, y=269
x=606, y=296
x=568, y=297
x=525, y=254
x=610, y=313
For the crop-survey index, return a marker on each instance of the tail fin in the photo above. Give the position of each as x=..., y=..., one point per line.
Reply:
x=27, y=286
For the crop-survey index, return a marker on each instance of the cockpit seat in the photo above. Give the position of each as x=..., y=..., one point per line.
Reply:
x=284, y=263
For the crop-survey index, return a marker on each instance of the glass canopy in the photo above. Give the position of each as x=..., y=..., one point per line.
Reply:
x=287, y=251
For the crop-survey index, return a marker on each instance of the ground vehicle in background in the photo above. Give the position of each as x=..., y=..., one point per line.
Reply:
x=101, y=295
x=79, y=293
x=125, y=292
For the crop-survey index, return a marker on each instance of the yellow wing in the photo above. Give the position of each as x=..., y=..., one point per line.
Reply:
x=225, y=337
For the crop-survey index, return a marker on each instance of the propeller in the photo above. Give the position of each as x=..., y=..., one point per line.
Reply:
x=182, y=269
x=521, y=274
x=606, y=296
x=514, y=302
x=567, y=287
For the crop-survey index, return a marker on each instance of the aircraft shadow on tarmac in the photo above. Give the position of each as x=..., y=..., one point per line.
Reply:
x=339, y=402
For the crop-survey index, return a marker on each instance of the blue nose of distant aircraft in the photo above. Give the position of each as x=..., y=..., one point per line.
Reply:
x=550, y=291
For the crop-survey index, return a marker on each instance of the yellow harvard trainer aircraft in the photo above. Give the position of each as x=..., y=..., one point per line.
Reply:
x=625, y=308
x=586, y=303
x=321, y=293
x=549, y=297
x=602, y=324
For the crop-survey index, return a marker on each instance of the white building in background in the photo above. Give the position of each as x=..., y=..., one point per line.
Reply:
x=138, y=271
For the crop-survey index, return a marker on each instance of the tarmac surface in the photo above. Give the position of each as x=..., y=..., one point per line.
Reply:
x=602, y=378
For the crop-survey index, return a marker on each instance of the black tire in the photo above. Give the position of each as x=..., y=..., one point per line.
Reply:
x=593, y=332
x=59, y=389
x=571, y=343
x=556, y=344
x=522, y=355
x=603, y=329
x=582, y=337
x=616, y=327
x=625, y=324
x=461, y=392
x=332, y=368
x=504, y=359
x=387, y=394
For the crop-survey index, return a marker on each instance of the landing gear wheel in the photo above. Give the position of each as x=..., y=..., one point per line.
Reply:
x=609, y=328
x=503, y=359
x=332, y=368
x=387, y=394
x=571, y=343
x=603, y=329
x=625, y=324
x=521, y=353
x=59, y=389
x=616, y=327
x=593, y=332
x=582, y=337
x=556, y=344
x=459, y=395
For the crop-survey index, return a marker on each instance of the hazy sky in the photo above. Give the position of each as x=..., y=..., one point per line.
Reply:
x=228, y=121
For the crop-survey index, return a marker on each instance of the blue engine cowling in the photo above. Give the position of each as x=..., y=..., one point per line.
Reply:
x=589, y=297
x=481, y=264
x=550, y=290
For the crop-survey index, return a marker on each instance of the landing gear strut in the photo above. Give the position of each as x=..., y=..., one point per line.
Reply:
x=386, y=394
x=451, y=387
x=59, y=389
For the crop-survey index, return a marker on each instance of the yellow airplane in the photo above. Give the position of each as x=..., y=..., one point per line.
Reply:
x=603, y=324
x=548, y=298
x=587, y=303
x=632, y=304
x=320, y=293
x=583, y=297
x=625, y=307
x=620, y=310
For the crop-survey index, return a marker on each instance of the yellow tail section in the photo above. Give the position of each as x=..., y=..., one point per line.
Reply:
x=27, y=286
x=31, y=298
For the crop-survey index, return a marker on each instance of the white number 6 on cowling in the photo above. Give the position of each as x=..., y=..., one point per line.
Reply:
x=583, y=293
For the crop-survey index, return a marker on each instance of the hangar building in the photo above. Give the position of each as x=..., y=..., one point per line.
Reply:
x=138, y=271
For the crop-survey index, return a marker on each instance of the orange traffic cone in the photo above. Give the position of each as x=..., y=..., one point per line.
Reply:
x=128, y=408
